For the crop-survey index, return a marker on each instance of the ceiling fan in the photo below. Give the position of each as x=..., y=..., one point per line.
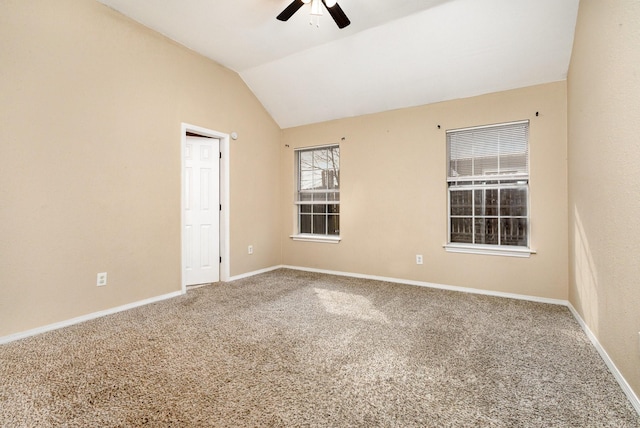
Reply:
x=332, y=6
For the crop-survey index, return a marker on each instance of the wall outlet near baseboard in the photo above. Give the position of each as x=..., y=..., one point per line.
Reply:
x=418, y=259
x=102, y=279
x=250, y=249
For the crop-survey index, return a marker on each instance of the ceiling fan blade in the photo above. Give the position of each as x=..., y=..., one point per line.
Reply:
x=290, y=10
x=338, y=15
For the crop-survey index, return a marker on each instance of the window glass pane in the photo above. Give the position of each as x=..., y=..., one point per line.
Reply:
x=320, y=165
x=320, y=197
x=486, y=202
x=320, y=158
x=304, y=197
x=324, y=164
x=485, y=165
x=333, y=209
x=486, y=231
x=306, y=170
x=513, y=202
x=324, y=196
x=461, y=203
x=461, y=230
x=333, y=168
x=305, y=208
x=305, y=223
x=311, y=171
x=320, y=224
x=306, y=180
x=513, y=231
x=319, y=209
x=334, y=225
x=513, y=164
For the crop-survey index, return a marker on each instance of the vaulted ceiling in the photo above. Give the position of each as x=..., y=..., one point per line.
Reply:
x=395, y=53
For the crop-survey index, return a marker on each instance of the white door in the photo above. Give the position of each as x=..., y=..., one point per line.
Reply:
x=201, y=236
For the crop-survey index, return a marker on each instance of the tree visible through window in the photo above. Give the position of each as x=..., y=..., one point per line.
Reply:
x=488, y=178
x=318, y=195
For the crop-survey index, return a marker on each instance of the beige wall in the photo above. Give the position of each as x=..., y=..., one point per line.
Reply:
x=604, y=178
x=90, y=110
x=394, y=194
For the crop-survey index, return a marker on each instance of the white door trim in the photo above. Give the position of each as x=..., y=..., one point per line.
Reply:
x=224, y=197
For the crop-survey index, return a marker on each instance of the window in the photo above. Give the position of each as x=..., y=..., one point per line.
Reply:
x=318, y=192
x=488, y=179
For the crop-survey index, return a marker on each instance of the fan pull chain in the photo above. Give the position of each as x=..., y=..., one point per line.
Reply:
x=317, y=20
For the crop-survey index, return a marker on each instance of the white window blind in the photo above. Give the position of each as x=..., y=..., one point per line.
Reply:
x=498, y=150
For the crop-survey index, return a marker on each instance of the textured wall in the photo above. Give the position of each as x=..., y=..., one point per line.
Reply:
x=394, y=194
x=604, y=178
x=90, y=111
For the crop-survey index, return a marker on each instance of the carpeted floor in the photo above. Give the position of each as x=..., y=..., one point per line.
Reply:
x=290, y=348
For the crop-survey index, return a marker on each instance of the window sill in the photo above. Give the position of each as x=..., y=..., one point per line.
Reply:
x=489, y=250
x=329, y=239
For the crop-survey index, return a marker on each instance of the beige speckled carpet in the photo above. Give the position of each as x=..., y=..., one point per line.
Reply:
x=290, y=348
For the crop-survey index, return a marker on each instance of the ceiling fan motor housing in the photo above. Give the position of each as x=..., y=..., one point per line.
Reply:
x=332, y=6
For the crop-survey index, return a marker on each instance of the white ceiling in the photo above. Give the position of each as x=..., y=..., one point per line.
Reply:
x=395, y=53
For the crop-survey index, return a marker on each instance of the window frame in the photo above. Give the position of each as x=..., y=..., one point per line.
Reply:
x=483, y=182
x=332, y=198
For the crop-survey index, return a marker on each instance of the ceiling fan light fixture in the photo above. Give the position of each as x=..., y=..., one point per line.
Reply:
x=330, y=3
x=306, y=1
x=316, y=7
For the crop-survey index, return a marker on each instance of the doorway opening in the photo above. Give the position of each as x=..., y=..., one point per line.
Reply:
x=212, y=141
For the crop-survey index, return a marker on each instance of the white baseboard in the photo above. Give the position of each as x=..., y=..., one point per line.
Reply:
x=253, y=273
x=433, y=285
x=83, y=318
x=626, y=388
x=94, y=315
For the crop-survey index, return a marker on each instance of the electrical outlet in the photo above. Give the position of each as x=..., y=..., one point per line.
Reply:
x=102, y=279
x=250, y=249
x=418, y=259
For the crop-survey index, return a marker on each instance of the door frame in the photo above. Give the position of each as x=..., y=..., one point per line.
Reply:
x=224, y=197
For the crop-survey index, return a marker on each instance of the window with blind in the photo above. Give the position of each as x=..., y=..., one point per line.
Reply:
x=488, y=180
x=318, y=191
